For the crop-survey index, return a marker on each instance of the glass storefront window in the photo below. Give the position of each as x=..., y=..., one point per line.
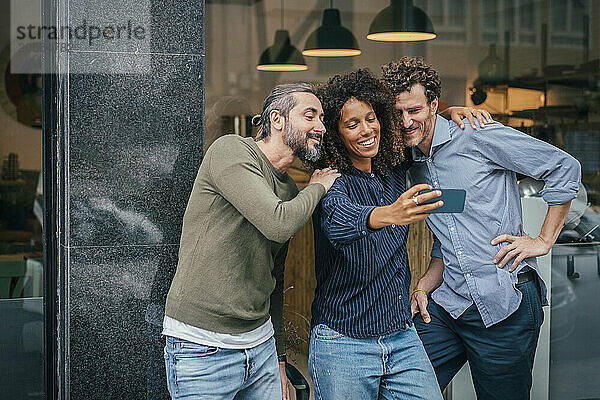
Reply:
x=544, y=60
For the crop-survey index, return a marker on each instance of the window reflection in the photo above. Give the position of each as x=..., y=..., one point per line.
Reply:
x=21, y=214
x=21, y=271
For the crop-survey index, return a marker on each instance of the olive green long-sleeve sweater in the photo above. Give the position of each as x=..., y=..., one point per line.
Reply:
x=236, y=228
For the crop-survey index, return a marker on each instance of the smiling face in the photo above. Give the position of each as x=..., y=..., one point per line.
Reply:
x=360, y=132
x=418, y=117
x=304, y=127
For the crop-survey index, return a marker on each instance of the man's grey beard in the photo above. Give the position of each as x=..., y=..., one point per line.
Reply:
x=298, y=142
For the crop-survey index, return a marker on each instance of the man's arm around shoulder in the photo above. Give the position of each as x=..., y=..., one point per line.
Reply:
x=237, y=176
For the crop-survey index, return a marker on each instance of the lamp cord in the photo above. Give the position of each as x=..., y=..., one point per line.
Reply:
x=281, y=14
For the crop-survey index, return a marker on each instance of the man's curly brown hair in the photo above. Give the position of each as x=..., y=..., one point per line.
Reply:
x=363, y=86
x=400, y=76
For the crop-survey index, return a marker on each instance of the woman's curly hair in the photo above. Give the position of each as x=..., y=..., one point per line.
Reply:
x=363, y=86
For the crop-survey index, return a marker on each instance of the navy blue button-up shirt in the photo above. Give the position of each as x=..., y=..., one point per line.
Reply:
x=484, y=163
x=363, y=276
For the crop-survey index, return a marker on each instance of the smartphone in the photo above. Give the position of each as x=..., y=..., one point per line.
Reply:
x=454, y=200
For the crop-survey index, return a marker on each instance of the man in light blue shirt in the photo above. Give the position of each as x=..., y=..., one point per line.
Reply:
x=485, y=291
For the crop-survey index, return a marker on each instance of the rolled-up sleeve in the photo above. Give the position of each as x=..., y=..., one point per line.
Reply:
x=516, y=151
x=343, y=220
x=571, y=171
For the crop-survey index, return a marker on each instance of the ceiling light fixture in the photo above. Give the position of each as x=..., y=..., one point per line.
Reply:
x=331, y=39
x=401, y=22
x=282, y=56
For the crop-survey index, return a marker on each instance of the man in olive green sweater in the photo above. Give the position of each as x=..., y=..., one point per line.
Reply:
x=223, y=321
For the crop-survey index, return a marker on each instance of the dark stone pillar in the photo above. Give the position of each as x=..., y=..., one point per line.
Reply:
x=130, y=140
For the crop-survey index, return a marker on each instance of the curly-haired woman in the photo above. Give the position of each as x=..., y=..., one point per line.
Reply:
x=363, y=343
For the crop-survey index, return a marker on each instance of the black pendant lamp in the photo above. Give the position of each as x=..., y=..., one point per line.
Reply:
x=282, y=56
x=331, y=39
x=401, y=22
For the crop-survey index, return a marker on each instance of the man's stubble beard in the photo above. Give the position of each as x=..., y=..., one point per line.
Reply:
x=426, y=128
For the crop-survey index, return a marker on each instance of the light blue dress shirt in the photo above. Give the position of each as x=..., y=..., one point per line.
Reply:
x=485, y=163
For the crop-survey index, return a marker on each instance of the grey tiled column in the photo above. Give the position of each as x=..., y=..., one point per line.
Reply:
x=130, y=123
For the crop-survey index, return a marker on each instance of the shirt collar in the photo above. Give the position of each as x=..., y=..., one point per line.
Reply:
x=441, y=135
x=364, y=174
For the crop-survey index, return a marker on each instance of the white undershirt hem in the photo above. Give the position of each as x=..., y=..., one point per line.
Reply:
x=246, y=340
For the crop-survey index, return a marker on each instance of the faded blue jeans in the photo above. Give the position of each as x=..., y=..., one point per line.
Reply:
x=391, y=367
x=198, y=372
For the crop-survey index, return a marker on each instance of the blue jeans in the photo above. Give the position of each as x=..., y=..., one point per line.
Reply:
x=393, y=366
x=501, y=356
x=195, y=371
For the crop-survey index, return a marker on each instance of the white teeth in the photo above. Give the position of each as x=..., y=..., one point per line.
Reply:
x=368, y=142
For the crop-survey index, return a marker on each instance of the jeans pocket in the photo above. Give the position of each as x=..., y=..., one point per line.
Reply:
x=193, y=350
x=323, y=332
x=538, y=310
x=531, y=299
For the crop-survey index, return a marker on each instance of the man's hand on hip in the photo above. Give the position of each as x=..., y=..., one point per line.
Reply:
x=521, y=247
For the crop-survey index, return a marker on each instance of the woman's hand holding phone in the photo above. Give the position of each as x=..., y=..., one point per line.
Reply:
x=408, y=208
